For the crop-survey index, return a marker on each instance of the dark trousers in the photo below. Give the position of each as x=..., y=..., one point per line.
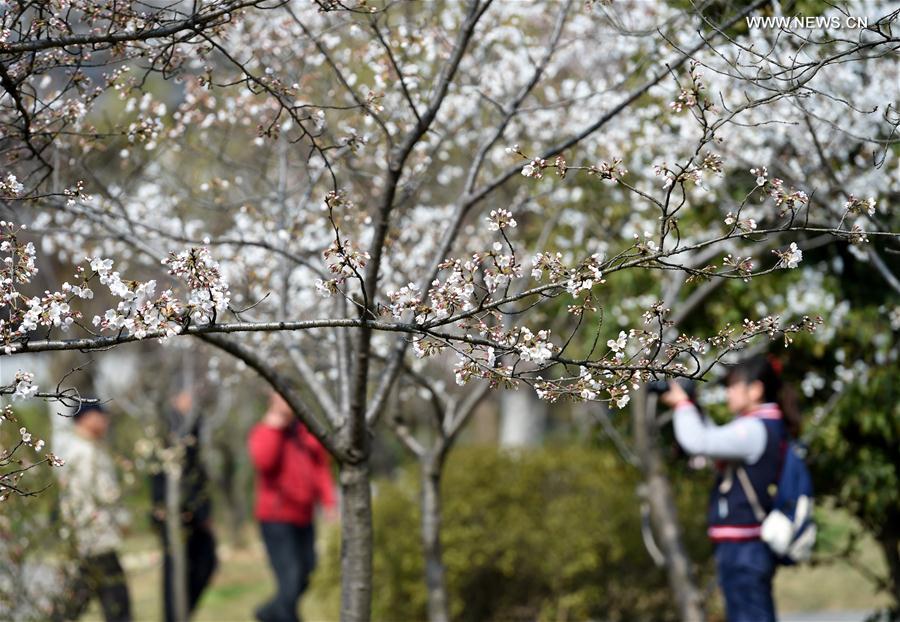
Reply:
x=100, y=576
x=200, y=557
x=746, y=570
x=292, y=555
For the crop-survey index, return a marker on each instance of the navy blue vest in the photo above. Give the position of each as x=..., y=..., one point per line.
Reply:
x=731, y=515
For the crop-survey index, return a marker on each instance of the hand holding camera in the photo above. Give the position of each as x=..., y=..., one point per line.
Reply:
x=674, y=392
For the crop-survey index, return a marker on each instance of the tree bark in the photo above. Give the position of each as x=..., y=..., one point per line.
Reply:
x=890, y=546
x=663, y=514
x=435, y=572
x=356, y=542
x=230, y=481
x=175, y=542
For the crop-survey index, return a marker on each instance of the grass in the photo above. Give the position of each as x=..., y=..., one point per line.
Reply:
x=244, y=580
x=838, y=583
x=833, y=587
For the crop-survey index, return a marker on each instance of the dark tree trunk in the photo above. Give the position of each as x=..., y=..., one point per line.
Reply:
x=356, y=542
x=663, y=514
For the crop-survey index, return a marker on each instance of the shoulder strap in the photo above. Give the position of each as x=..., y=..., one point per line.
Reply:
x=750, y=491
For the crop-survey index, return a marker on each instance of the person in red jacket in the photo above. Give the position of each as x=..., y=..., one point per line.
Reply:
x=292, y=478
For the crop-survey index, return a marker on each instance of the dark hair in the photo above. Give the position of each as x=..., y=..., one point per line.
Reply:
x=85, y=407
x=766, y=368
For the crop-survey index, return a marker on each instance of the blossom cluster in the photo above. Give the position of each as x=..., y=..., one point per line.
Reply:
x=500, y=219
x=344, y=259
x=786, y=201
x=592, y=382
x=712, y=162
x=858, y=235
x=638, y=356
x=11, y=187
x=209, y=295
x=505, y=268
x=692, y=95
x=747, y=225
x=406, y=298
x=587, y=274
x=456, y=292
x=535, y=347
x=742, y=265
x=534, y=169
x=645, y=244
x=24, y=385
x=547, y=262
x=731, y=337
x=576, y=280
x=27, y=313
x=609, y=170
x=13, y=468
x=855, y=205
x=139, y=311
x=482, y=364
x=790, y=257
x=669, y=176
x=618, y=345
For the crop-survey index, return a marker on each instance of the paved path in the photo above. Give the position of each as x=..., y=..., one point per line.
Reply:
x=826, y=616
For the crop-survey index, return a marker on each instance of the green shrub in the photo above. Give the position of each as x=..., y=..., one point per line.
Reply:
x=551, y=534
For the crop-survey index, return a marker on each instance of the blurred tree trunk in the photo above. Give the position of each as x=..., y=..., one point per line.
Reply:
x=523, y=418
x=890, y=545
x=435, y=571
x=663, y=514
x=450, y=417
x=230, y=481
x=175, y=543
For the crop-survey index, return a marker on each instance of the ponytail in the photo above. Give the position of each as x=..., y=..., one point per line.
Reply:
x=767, y=370
x=790, y=410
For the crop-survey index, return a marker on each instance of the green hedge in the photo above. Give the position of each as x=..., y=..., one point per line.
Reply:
x=551, y=534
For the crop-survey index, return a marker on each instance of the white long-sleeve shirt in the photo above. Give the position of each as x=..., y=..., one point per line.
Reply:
x=742, y=439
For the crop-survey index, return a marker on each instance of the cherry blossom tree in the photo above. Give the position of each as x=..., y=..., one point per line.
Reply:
x=275, y=178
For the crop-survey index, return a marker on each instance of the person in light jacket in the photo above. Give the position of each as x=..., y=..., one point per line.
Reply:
x=90, y=505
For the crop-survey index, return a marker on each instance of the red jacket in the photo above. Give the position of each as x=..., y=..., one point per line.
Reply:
x=292, y=474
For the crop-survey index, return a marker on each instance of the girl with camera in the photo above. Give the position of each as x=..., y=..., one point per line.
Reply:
x=749, y=452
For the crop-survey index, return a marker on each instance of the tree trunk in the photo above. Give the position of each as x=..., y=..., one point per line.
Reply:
x=356, y=542
x=523, y=418
x=435, y=573
x=230, y=480
x=663, y=514
x=174, y=539
x=890, y=546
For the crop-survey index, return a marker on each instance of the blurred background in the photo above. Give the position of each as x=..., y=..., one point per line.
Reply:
x=540, y=522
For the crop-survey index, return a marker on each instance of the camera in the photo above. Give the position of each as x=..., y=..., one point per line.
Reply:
x=661, y=386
